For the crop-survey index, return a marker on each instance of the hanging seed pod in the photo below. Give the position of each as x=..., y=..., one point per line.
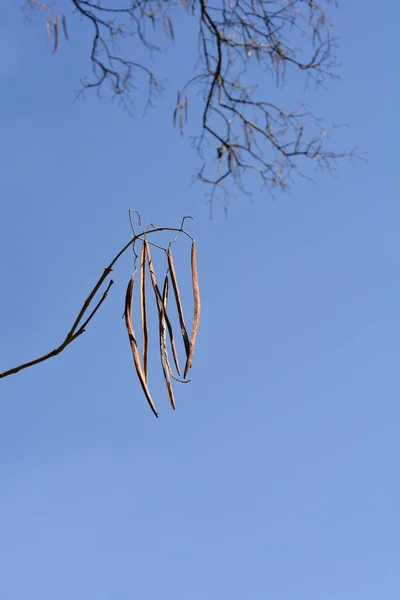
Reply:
x=196, y=310
x=64, y=24
x=145, y=335
x=49, y=28
x=56, y=30
x=165, y=303
x=132, y=340
x=160, y=305
x=163, y=345
x=179, y=307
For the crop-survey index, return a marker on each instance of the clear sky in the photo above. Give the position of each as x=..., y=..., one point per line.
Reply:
x=277, y=476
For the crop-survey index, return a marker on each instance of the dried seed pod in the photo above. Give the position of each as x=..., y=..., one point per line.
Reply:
x=168, y=384
x=49, y=28
x=165, y=293
x=56, y=33
x=196, y=310
x=162, y=321
x=145, y=335
x=64, y=24
x=179, y=307
x=153, y=276
x=132, y=340
x=160, y=305
x=163, y=345
x=165, y=302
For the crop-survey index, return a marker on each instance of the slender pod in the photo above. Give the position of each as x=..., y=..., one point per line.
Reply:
x=165, y=292
x=160, y=306
x=49, y=26
x=196, y=310
x=163, y=345
x=132, y=340
x=56, y=32
x=179, y=307
x=169, y=385
x=153, y=277
x=165, y=303
x=64, y=24
x=145, y=335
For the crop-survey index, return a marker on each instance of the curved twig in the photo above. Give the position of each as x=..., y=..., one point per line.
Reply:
x=76, y=330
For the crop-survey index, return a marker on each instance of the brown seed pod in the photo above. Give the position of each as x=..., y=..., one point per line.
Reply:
x=49, y=28
x=56, y=27
x=132, y=340
x=162, y=321
x=160, y=305
x=145, y=335
x=165, y=302
x=179, y=307
x=64, y=24
x=163, y=345
x=196, y=310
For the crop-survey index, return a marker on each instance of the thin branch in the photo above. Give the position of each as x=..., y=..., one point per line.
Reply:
x=77, y=328
x=69, y=338
x=240, y=132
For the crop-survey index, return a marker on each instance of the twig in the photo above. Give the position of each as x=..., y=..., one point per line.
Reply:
x=77, y=329
x=70, y=338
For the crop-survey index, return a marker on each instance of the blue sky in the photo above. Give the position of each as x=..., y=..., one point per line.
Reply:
x=277, y=476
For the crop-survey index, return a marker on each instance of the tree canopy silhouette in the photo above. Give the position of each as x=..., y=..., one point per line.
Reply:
x=243, y=47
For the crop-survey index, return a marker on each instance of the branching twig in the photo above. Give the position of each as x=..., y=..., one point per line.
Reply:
x=78, y=327
x=242, y=130
x=69, y=338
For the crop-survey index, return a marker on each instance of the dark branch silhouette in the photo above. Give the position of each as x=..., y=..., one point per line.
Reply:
x=241, y=130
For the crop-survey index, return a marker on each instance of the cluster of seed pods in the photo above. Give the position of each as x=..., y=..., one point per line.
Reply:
x=141, y=359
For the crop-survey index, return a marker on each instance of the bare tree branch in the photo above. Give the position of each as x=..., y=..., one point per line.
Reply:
x=242, y=131
x=78, y=327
